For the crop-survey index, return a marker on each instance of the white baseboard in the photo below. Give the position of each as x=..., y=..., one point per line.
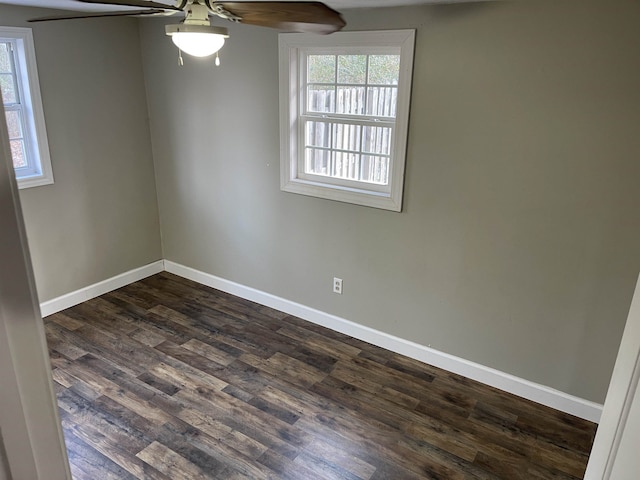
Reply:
x=504, y=381
x=87, y=293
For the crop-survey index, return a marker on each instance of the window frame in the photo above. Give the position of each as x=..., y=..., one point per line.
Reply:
x=292, y=48
x=39, y=171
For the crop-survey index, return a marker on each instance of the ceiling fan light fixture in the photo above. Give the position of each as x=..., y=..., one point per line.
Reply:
x=197, y=40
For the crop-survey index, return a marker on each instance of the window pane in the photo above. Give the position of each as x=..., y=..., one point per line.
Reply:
x=321, y=98
x=317, y=161
x=346, y=136
x=8, y=88
x=13, y=123
x=352, y=69
x=382, y=101
x=376, y=140
x=5, y=60
x=321, y=69
x=384, y=69
x=350, y=100
x=347, y=165
x=318, y=134
x=18, y=154
x=375, y=169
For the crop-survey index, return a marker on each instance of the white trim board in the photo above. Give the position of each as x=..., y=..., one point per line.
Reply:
x=614, y=453
x=509, y=383
x=87, y=293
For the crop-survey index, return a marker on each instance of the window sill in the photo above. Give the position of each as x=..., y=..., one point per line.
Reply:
x=36, y=181
x=367, y=198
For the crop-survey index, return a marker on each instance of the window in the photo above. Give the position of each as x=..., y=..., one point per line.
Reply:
x=344, y=111
x=23, y=108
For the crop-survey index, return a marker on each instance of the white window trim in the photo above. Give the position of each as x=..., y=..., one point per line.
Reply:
x=28, y=70
x=290, y=47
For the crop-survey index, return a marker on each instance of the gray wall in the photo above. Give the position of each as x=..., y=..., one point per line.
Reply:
x=519, y=242
x=100, y=217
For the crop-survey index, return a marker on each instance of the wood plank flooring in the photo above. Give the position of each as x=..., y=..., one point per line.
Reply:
x=168, y=379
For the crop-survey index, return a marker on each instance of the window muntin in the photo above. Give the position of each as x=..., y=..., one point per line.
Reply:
x=344, y=115
x=23, y=108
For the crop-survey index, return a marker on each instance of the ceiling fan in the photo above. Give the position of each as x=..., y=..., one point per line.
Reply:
x=196, y=36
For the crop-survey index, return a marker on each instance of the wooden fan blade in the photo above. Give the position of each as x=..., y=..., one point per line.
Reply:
x=132, y=3
x=72, y=16
x=311, y=17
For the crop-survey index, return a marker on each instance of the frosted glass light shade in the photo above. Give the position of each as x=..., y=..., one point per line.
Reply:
x=198, y=44
x=197, y=40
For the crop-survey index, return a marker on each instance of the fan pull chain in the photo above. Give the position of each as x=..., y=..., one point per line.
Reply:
x=180, y=61
x=217, y=62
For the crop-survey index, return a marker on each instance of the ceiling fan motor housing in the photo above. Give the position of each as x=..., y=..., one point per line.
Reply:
x=196, y=14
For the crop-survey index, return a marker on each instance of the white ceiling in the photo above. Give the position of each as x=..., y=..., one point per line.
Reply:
x=336, y=4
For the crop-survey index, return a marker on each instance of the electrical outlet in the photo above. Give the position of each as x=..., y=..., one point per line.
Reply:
x=337, y=285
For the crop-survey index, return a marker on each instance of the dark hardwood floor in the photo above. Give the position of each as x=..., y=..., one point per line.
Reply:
x=168, y=379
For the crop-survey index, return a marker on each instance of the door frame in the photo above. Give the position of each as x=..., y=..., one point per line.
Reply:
x=30, y=432
x=620, y=397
